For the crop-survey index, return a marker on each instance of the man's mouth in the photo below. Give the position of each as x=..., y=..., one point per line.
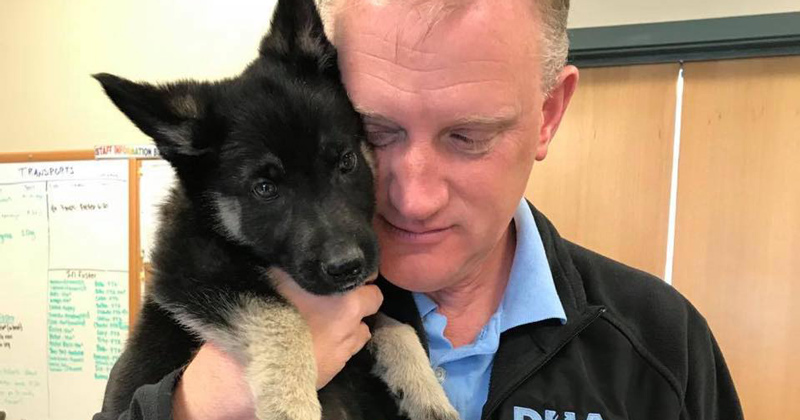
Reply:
x=418, y=235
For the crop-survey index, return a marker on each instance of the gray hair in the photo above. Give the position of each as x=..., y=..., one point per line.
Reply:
x=554, y=41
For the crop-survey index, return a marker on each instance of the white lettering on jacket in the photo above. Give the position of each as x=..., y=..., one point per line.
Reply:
x=525, y=413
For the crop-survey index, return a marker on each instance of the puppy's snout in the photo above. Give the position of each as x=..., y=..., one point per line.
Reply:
x=343, y=261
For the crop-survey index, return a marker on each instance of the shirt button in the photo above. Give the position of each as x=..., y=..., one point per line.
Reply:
x=441, y=374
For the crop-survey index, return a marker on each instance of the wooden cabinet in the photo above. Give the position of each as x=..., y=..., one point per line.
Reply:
x=737, y=235
x=606, y=185
x=606, y=181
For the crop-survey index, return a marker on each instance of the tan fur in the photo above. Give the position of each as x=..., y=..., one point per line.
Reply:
x=273, y=342
x=229, y=213
x=369, y=155
x=401, y=362
x=223, y=338
x=281, y=369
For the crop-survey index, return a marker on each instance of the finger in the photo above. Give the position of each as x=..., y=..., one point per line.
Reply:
x=361, y=337
x=370, y=299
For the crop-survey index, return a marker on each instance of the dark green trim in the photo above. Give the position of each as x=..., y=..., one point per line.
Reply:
x=693, y=40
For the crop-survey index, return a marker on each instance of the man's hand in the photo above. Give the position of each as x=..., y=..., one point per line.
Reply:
x=336, y=323
x=213, y=387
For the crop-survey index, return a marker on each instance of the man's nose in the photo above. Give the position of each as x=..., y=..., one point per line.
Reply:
x=417, y=188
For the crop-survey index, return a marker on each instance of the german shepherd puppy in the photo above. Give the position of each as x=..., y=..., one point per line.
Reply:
x=274, y=178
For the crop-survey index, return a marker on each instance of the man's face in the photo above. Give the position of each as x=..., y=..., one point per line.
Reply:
x=454, y=111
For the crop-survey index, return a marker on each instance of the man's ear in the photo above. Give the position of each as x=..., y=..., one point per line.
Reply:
x=554, y=107
x=173, y=115
x=297, y=33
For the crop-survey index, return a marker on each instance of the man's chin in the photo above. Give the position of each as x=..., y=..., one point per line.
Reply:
x=415, y=279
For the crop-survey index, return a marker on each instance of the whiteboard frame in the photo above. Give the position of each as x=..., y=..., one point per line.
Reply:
x=135, y=273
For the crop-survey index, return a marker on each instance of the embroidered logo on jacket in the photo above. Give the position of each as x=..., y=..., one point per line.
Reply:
x=524, y=413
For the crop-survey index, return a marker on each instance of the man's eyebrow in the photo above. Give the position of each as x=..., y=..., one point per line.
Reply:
x=499, y=121
x=374, y=116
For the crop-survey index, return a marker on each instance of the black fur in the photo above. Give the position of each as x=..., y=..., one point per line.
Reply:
x=276, y=151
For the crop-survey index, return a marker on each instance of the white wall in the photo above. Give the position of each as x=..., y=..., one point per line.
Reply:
x=48, y=49
x=588, y=13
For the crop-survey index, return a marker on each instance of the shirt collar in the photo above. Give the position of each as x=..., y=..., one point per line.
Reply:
x=531, y=292
x=425, y=305
x=530, y=295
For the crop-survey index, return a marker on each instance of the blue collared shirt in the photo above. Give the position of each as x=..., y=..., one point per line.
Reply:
x=530, y=296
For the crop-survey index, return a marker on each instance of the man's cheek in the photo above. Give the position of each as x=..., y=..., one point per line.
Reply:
x=382, y=176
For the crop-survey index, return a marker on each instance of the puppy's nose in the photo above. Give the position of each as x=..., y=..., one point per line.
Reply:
x=343, y=261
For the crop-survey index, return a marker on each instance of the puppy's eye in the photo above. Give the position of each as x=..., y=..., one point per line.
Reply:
x=265, y=189
x=348, y=162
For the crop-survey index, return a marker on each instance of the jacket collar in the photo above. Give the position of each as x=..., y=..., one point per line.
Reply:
x=565, y=275
x=525, y=349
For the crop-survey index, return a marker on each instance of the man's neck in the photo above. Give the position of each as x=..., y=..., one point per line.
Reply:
x=470, y=304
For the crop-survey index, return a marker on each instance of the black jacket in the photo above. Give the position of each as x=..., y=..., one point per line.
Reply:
x=632, y=348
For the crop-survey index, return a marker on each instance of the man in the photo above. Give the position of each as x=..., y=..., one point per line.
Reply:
x=460, y=97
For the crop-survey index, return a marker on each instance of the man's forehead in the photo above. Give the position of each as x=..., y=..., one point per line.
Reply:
x=430, y=30
x=467, y=68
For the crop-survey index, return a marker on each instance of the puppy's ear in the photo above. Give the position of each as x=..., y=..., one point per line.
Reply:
x=297, y=34
x=176, y=116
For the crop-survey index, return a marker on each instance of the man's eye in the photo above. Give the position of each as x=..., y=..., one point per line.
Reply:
x=469, y=143
x=266, y=190
x=379, y=136
x=462, y=138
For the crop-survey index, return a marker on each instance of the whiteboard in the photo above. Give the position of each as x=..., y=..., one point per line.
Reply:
x=63, y=285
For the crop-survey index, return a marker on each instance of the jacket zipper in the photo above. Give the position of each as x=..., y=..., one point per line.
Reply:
x=546, y=359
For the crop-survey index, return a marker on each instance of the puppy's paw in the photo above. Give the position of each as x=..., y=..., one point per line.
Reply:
x=280, y=368
x=401, y=362
x=444, y=412
x=269, y=411
x=423, y=405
